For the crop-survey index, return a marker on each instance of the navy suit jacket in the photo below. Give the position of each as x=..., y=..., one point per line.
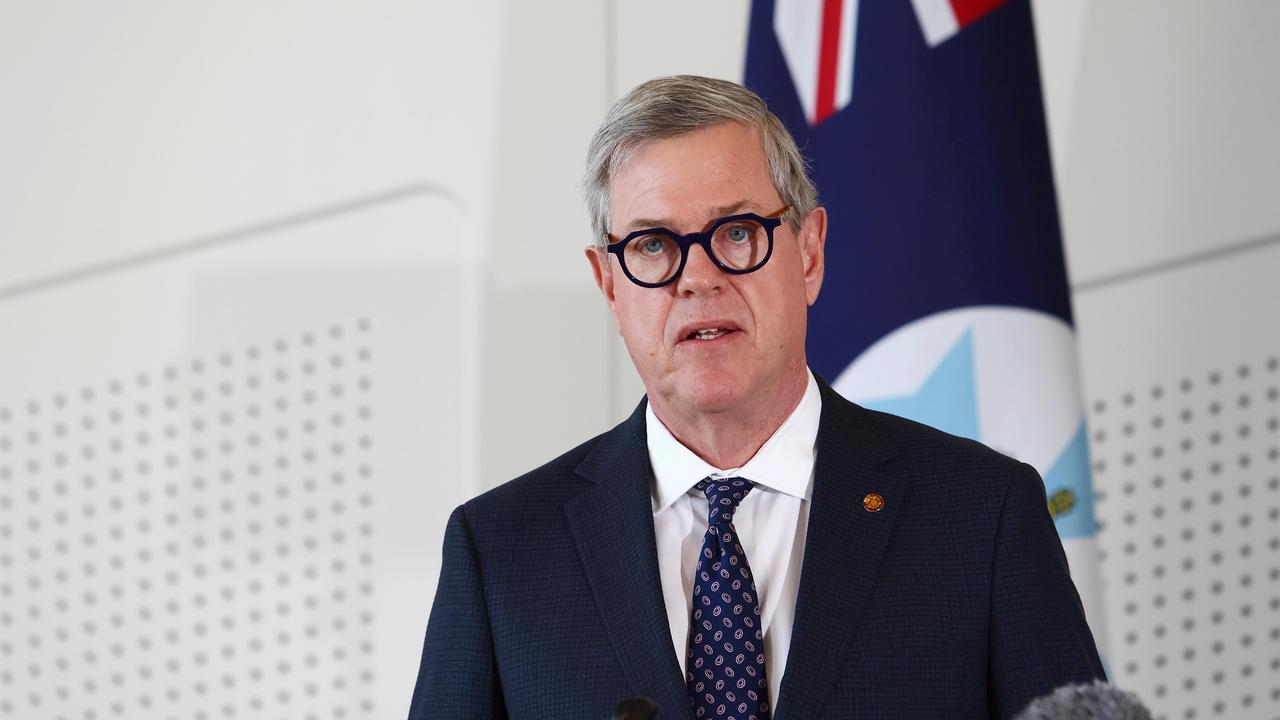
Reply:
x=952, y=601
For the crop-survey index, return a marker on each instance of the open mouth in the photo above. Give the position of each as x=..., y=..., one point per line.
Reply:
x=706, y=334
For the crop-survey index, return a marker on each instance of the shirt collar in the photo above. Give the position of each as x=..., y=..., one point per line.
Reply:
x=784, y=463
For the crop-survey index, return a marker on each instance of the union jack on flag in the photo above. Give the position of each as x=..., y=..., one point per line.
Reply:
x=817, y=39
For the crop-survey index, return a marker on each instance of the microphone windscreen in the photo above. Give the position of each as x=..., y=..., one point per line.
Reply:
x=1097, y=700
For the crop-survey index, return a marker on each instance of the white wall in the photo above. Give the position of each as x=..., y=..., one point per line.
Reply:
x=195, y=197
x=1168, y=167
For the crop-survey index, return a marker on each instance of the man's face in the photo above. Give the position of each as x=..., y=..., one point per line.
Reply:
x=684, y=183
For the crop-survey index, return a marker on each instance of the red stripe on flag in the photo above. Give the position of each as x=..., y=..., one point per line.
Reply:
x=969, y=10
x=828, y=61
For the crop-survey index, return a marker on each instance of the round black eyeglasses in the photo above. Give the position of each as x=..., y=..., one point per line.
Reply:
x=737, y=244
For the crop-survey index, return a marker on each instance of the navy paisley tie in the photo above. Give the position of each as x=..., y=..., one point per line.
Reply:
x=724, y=669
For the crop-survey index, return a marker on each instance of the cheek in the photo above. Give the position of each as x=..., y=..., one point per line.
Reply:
x=782, y=310
x=641, y=321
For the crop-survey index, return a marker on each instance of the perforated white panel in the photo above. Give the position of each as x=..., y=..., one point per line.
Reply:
x=224, y=474
x=196, y=537
x=1188, y=471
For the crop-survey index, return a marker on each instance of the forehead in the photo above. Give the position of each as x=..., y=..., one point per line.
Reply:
x=682, y=181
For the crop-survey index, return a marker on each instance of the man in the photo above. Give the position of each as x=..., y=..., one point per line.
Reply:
x=747, y=544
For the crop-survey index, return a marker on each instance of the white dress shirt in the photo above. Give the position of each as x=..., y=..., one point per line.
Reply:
x=771, y=522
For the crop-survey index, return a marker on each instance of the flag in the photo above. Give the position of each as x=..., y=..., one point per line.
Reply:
x=946, y=296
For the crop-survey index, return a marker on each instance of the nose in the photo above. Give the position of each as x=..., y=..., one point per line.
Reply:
x=700, y=274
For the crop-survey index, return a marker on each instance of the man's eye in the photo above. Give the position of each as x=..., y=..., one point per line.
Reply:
x=738, y=234
x=654, y=246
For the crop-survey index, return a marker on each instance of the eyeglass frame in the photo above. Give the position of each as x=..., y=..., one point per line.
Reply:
x=685, y=242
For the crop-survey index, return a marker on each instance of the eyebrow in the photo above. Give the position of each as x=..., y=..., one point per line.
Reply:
x=716, y=213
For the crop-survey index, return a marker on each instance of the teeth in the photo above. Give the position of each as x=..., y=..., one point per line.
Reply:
x=709, y=334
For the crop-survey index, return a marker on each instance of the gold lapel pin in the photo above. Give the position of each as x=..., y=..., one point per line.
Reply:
x=873, y=502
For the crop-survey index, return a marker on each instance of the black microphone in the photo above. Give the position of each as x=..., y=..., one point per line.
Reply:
x=1097, y=700
x=635, y=708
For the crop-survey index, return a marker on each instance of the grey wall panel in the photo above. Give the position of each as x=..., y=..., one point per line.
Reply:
x=140, y=123
x=1172, y=148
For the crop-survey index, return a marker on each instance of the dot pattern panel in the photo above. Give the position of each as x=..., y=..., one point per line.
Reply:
x=194, y=541
x=1187, y=473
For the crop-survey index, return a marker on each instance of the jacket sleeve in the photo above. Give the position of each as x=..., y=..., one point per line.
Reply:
x=458, y=676
x=1039, y=639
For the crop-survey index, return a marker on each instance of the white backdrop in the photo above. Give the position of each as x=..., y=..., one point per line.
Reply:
x=282, y=284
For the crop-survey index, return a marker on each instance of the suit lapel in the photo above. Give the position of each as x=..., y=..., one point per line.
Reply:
x=842, y=552
x=612, y=526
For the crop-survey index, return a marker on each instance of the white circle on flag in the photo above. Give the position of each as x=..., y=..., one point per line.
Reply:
x=1025, y=375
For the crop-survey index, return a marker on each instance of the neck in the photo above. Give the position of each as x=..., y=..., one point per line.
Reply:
x=731, y=437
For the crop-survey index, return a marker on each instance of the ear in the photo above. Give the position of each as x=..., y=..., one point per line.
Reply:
x=602, y=270
x=813, y=241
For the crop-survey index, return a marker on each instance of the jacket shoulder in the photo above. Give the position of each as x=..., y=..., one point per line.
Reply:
x=894, y=441
x=933, y=460
x=917, y=440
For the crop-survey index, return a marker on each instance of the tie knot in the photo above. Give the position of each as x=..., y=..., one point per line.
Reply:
x=723, y=496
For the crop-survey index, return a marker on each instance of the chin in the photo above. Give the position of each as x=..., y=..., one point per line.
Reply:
x=710, y=393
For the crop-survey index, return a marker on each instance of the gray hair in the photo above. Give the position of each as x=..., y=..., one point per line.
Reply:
x=669, y=106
